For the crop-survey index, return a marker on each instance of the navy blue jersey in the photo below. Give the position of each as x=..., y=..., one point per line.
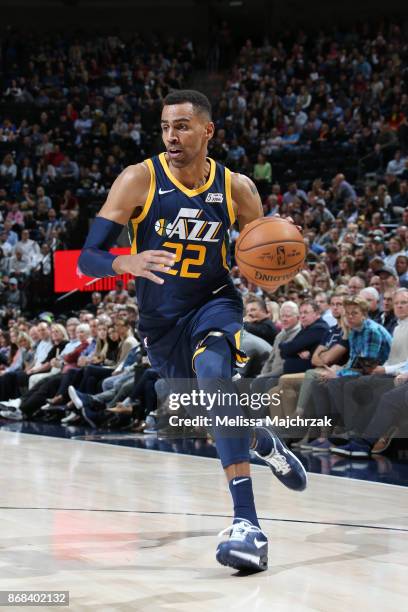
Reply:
x=193, y=224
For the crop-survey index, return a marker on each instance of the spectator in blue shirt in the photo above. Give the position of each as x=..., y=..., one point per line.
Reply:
x=369, y=346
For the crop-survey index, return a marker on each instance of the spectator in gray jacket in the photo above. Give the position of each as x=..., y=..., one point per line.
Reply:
x=273, y=367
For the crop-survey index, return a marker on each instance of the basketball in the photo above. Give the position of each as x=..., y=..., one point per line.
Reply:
x=270, y=252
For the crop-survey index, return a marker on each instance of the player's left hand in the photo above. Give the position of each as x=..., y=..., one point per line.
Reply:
x=291, y=220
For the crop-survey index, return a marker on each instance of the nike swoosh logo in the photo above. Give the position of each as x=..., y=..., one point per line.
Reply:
x=163, y=191
x=259, y=544
x=219, y=289
x=235, y=482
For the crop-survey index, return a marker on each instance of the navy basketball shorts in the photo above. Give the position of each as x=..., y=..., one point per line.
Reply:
x=172, y=349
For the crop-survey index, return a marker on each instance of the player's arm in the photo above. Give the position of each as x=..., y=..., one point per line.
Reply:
x=125, y=200
x=245, y=200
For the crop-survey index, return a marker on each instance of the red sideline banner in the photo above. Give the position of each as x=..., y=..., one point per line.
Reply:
x=67, y=276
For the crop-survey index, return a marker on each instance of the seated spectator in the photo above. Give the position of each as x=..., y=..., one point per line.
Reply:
x=13, y=298
x=297, y=353
x=257, y=320
x=29, y=248
x=333, y=350
x=20, y=358
x=401, y=266
x=93, y=375
x=117, y=295
x=59, y=338
x=96, y=301
x=397, y=165
x=4, y=350
x=42, y=349
x=372, y=297
x=292, y=193
x=54, y=385
x=107, y=346
x=369, y=346
x=141, y=400
x=355, y=285
x=342, y=191
x=322, y=301
x=395, y=247
x=115, y=389
x=19, y=264
x=273, y=367
x=364, y=394
x=388, y=277
x=388, y=318
x=262, y=173
x=391, y=410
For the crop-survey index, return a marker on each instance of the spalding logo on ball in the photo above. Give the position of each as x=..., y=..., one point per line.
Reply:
x=270, y=252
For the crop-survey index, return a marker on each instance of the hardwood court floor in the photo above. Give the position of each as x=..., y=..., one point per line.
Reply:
x=128, y=529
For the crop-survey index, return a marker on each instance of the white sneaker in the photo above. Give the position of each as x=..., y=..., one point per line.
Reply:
x=13, y=415
x=12, y=403
x=72, y=417
x=245, y=549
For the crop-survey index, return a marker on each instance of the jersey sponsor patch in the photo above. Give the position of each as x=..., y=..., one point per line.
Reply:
x=214, y=198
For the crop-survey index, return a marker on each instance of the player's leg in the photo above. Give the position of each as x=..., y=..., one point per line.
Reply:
x=247, y=545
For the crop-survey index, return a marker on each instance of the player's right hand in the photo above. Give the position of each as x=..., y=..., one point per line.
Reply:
x=144, y=263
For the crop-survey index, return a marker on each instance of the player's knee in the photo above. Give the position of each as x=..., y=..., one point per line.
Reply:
x=206, y=366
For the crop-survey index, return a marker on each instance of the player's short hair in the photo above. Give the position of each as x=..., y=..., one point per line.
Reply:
x=198, y=100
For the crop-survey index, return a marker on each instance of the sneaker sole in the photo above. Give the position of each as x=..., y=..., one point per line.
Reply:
x=340, y=451
x=70, y=422
x=304, y=446
x=242, y=564
x=384, y=448
x=297, y=445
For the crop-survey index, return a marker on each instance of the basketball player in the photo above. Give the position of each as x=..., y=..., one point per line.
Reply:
x=179, y=207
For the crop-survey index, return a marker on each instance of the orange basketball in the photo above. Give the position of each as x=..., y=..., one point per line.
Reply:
x=270, y=252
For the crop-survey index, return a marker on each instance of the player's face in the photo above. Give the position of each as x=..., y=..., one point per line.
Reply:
x=185, y=133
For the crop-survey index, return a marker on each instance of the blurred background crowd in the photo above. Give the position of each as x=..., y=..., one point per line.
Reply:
x=319, y=120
